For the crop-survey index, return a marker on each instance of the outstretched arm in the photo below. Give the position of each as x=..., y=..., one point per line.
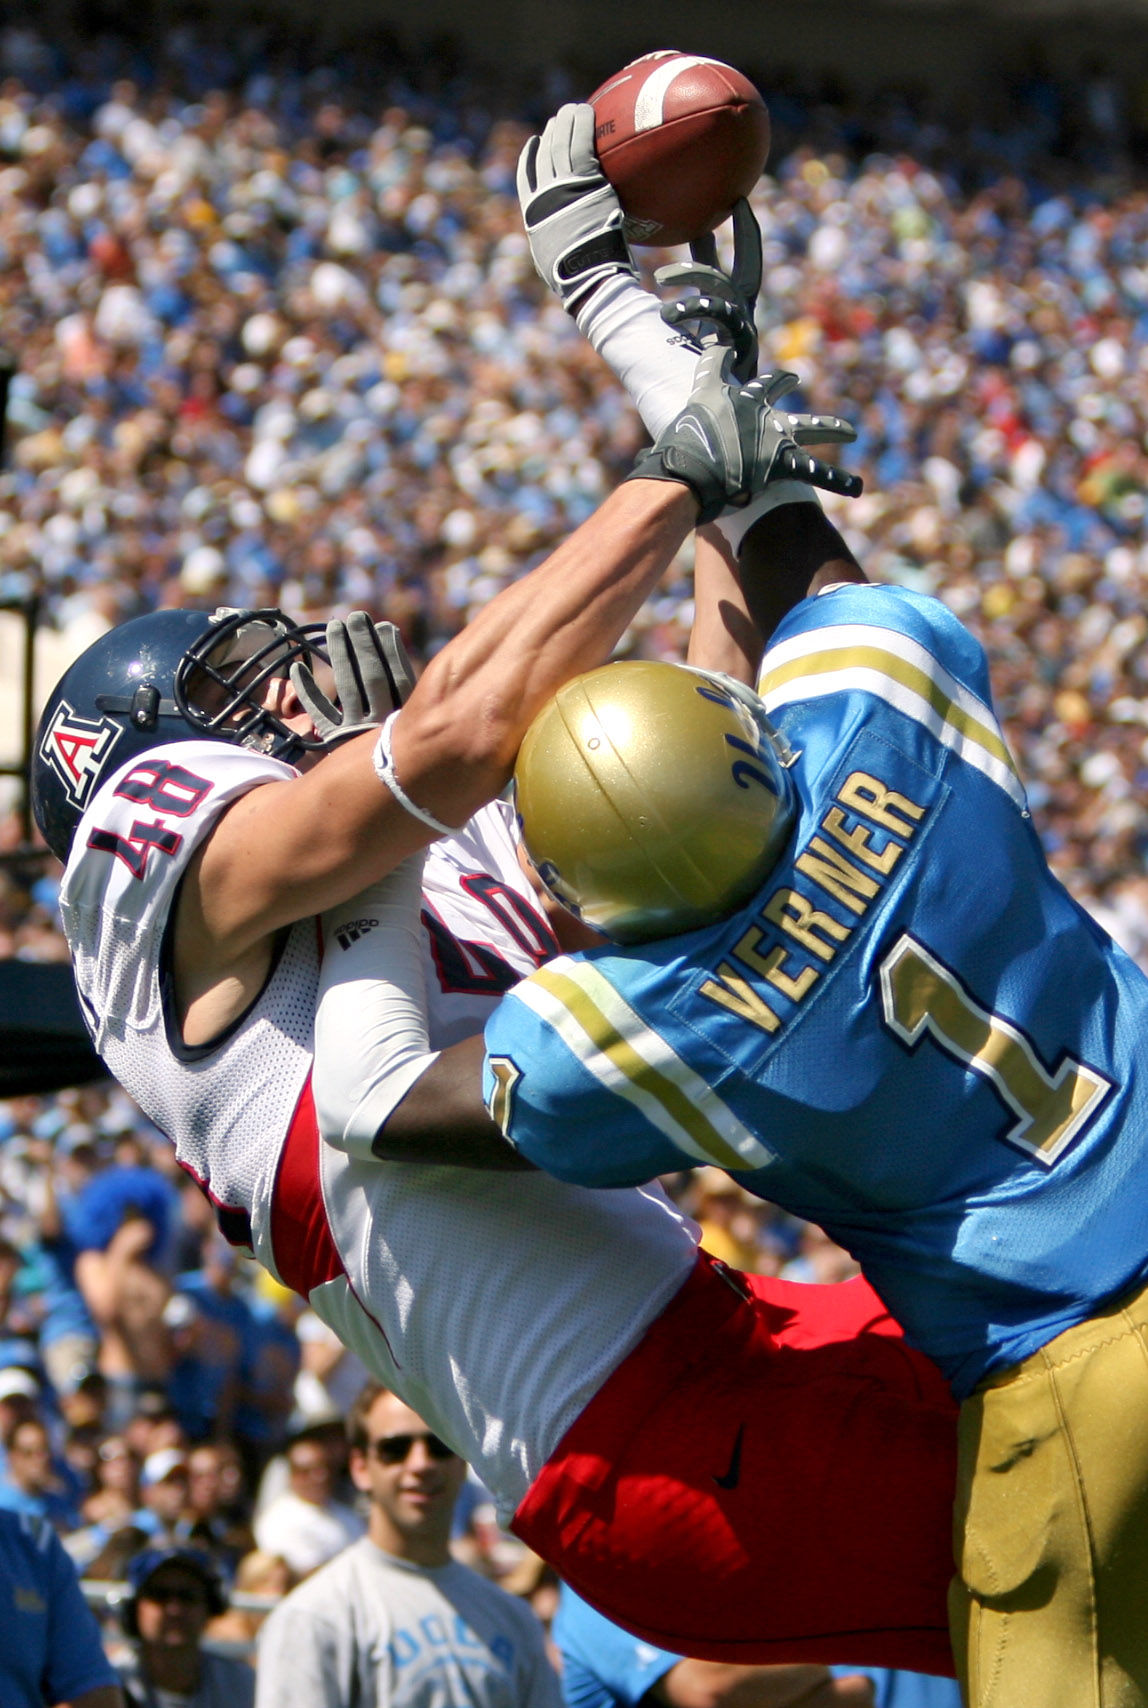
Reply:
x=789, y=553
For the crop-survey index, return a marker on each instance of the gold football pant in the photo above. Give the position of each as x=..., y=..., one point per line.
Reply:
x=1049, y=1608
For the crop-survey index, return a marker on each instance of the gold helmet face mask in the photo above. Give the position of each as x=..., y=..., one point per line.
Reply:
x=652, y=798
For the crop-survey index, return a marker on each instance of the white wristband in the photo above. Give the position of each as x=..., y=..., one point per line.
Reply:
x=384, y=762
x=734, y=525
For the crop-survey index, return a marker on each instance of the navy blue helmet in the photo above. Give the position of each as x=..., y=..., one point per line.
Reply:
x=168, y=676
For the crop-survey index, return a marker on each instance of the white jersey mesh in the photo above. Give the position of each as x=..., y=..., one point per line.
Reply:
x=495, y=1304
x=226, y=1110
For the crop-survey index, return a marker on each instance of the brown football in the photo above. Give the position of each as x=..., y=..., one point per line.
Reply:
x=680, y=138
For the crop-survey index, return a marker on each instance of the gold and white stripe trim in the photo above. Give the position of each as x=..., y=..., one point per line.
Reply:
x=636, y=1063
x=906, y=676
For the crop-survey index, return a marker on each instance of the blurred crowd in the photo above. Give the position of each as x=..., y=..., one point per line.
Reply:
x=280, y=341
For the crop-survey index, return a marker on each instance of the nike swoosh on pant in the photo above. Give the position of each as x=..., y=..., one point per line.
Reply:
x=733, y=1475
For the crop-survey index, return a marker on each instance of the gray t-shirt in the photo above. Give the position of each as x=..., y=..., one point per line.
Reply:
x=371, y=1631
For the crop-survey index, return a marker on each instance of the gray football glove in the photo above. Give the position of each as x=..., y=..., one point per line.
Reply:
x=373, y=678
x=572, y=215
x=728, y=443
x=723, y=304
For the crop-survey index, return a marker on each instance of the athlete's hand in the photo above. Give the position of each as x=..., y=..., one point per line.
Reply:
x=573, y=217
x=723, y=305
x=729, y=442
x=373, y=678
x=855, y=1691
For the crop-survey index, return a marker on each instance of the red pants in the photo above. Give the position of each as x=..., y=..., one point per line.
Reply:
x=763, y=1479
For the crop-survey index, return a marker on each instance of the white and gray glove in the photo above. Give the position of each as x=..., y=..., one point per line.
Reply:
x=571, y=212
x=373, y=678
x=729, y=443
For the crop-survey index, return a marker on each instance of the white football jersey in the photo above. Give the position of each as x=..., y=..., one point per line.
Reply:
x=495, y=1304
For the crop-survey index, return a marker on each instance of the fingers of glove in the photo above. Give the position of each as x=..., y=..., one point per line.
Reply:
x=688, y=275
x=707, y=307
x=821, y=430
x=315, y=703
x=560, y=154
x=746, y=270
x=717, y=316
x=704, y=250
x=795, y=464
x=341, y=652
x=365, y=677
x=713, y=371
x=398, y=662
x=527, y=175
x=778, y=383
x=579, y=138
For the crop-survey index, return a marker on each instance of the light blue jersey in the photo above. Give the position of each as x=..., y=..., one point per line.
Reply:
x=912, y=1035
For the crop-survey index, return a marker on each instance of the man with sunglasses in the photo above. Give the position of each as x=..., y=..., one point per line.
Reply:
x=394, y=1618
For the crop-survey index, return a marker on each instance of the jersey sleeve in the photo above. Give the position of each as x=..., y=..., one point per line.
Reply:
x=602, y=1665
x=586, y=1086
x=879, y=614
x=551, y=1106
x=835, y=655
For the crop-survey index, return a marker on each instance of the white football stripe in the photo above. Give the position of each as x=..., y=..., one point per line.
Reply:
x=649, y=108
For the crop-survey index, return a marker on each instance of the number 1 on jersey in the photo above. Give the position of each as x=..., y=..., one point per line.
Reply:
x=919, y=995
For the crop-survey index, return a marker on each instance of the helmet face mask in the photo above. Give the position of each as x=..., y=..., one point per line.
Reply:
x=222, y=679
x=174, y=675
x=653, y=798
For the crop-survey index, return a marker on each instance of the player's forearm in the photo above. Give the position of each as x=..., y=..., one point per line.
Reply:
x=723, y=635
x=380, y=1090
x=456, y=740
x=791, y=553
x=718, y=1684
x=441, y=1119
x=287, y=850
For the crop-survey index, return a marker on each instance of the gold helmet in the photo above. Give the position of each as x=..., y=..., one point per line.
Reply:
x=652, y=798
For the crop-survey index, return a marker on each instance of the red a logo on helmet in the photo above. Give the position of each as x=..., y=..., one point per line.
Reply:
x=76, y=748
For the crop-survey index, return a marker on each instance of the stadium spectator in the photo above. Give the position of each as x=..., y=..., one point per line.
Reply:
x=214, y=1524
x=21, y=1394
x=43, y=1322
x=305, y=1524
x=32, y=1483
x=115, y=1496
x=51, y=1654
x=173, y=1594
x=211, y=1326
x=119, y=1228
x=270, y=1371
x=257, y=1574
x=395, y=1607
x=163, y=1511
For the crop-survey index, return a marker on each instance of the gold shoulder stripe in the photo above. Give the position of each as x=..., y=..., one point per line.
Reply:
x=983, y=732
x=636, y=1063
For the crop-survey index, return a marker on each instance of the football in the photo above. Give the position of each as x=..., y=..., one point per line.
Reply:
x=680, y=138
